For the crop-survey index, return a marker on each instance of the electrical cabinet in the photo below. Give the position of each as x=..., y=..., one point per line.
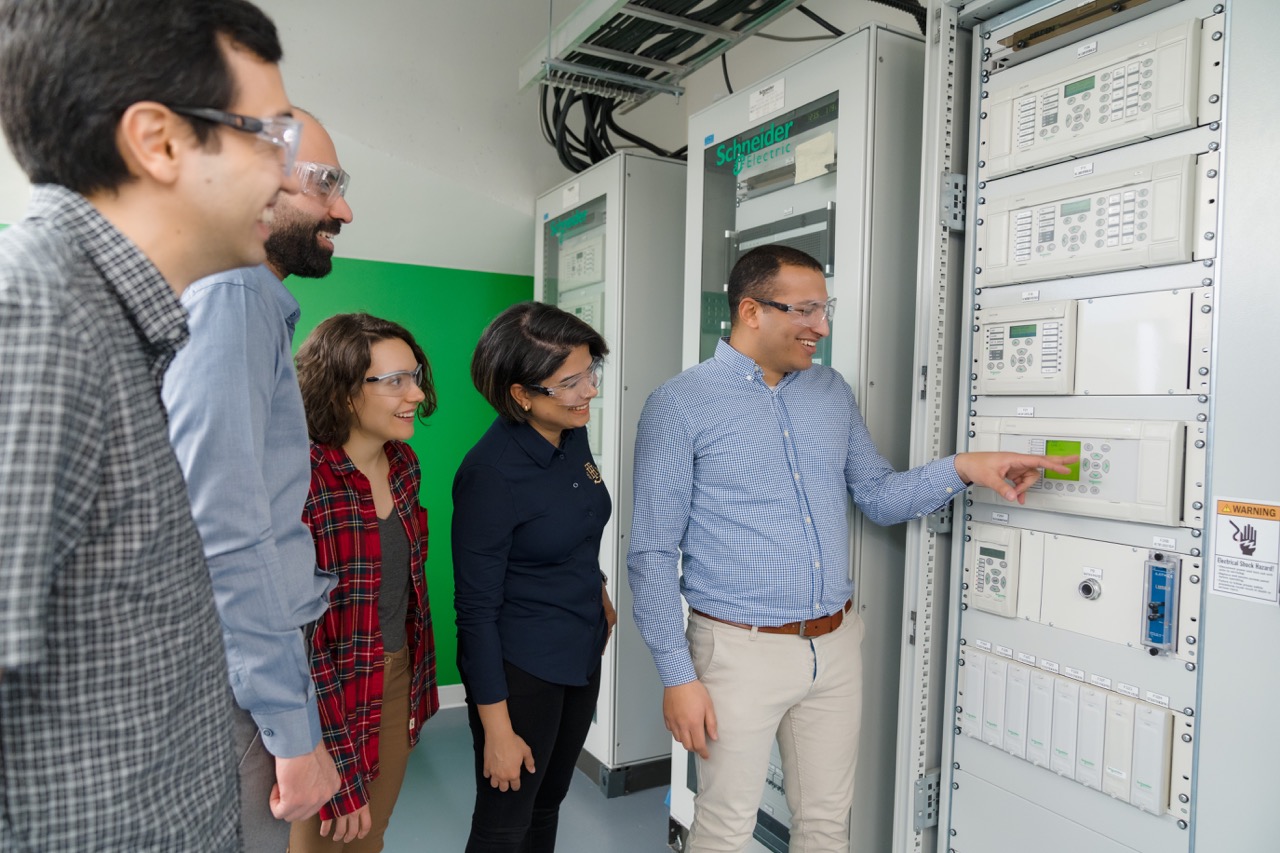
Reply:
x=610, y=253
x=823, y=156
x=1114, y=211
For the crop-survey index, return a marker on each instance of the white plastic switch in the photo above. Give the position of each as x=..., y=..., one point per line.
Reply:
x=1152, y=737
x=993, y=702
x=973, y=678
x=1117, y=755
x=1066, y=713
x=1016, y=695
x=1090, y=737
x=1039, y=717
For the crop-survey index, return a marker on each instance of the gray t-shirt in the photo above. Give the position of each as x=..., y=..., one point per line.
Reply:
x=393, y=594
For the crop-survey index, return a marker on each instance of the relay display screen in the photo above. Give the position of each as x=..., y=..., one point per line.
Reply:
x=1055, y=447
x=1027, y=331
x=1071, y=208
x=1079, y=86
x=991, y=552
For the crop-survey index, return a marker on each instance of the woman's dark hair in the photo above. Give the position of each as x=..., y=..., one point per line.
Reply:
x=332, y=363
x=523, y=346
x=754, y=275
x=70, y=71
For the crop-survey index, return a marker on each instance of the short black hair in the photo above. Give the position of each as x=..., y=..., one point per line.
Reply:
x=523, y=346
x=754, y=275
x=71, y=69
x=332, y=362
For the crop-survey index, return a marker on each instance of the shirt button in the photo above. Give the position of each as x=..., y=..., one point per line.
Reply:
x=815, y=607
x=591, y=513
x=808, y=520
x=817, y=564
x=575, y=485
x=950, y=490
x=561, y=455
x=786, y=433
x=797, y=476
x=268, y=733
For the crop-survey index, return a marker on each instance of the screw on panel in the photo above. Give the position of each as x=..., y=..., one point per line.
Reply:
x=1213, y=146
x=1214, y=125
x=1182, y=824
x=1213, y=173
x=1186, y=738
x=1191, y=641
x=1195, y=534
x=1190, y=712
x=1197, y=505
x=982, y=163
x=1217, y=36
x=1202, y=417
x=1213, y=99
x=1206, y=281
x=1183, y=798
x=1190, y=668
x=1195, y=578
x=1195, y=552
x=1208, y=235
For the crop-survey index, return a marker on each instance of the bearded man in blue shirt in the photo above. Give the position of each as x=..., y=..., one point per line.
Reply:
x=744, y=465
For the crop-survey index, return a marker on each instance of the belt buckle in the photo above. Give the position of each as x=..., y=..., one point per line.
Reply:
x=803, y=635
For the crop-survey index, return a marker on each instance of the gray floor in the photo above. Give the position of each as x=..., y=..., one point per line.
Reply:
x=434, y=811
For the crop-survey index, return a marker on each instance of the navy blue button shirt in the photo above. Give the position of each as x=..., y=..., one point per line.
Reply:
x=527, y=523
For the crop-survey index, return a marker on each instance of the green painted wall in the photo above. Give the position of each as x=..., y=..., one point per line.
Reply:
x=446, y=310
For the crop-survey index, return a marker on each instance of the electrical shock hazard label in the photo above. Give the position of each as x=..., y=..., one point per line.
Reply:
x=1246, y=558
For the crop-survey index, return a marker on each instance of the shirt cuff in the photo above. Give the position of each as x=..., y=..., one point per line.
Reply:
x=676, y=668
x=288, y=734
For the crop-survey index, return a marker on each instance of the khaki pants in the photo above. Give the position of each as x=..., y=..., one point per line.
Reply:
x=805, y=692
x=393, y=758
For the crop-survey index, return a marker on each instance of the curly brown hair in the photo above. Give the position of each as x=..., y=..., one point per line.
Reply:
x=332, y=362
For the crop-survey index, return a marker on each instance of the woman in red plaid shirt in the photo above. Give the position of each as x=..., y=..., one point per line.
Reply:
x=365, y=381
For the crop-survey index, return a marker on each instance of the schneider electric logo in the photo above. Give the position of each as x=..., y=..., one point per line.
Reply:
x=753, y=151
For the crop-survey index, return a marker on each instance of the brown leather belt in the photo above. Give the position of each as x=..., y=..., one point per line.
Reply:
x=805, y=628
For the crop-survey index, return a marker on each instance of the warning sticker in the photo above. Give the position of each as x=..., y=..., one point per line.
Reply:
x=1246, y=559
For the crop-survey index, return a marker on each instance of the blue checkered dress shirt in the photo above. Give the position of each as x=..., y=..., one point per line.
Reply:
x=749, y=483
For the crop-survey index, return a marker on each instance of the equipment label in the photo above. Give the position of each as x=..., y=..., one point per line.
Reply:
x=1246, y=550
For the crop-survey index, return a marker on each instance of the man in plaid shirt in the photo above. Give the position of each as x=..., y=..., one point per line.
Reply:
x=114, y=704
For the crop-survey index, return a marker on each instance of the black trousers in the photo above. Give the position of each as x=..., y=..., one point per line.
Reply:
x=553, y=720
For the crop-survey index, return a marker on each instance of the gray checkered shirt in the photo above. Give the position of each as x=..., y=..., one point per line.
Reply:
x=114, y=701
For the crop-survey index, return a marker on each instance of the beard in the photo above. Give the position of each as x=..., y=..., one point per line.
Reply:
x=294, y=245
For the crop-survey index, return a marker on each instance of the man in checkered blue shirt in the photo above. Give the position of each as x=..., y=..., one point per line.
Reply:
x=744, y=466
x=157, y=134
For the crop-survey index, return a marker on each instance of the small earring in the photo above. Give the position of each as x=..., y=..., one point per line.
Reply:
x=527, y=407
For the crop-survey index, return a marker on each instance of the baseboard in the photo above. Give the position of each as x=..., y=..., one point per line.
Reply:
x=452, y=695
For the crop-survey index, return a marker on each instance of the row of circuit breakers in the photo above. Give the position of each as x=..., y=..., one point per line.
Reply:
x=1093, y=270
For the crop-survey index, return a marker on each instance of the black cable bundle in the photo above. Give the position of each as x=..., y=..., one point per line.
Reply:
x=652, y=40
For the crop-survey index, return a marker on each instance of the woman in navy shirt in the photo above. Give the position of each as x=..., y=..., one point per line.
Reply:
x=529, y=509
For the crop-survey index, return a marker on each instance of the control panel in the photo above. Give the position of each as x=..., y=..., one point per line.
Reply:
x=581, y=259
x=1135, y=597
x=1130, y=470
x=1131, y=344
x=1089, y=96
x=1026, y=349
x=991, y=569
x=1104, y=221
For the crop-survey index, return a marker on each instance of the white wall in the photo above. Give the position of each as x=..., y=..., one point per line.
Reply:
x=446, y=156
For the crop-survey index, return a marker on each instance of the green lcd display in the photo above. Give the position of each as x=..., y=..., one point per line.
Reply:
x=991, y=552
x=1071, y=208
x=1027, y=331
x=1054, y=447
x=1079, y=86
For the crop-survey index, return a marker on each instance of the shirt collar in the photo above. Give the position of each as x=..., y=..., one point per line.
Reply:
x=741, y=365
x=531, y=442
x=288, y=304
x=142, y=290
x=338, y=460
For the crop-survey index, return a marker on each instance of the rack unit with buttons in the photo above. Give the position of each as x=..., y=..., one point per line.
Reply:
x=1148, y=78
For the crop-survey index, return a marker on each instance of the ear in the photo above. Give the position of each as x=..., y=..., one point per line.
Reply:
x=152, y=141
x=749, y=313
x=522, y=396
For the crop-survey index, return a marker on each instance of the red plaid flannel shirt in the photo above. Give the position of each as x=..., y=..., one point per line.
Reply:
x=346, y=663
